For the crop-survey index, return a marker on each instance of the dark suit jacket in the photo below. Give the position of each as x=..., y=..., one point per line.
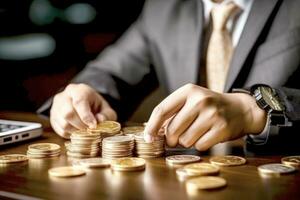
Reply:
x=165, y=43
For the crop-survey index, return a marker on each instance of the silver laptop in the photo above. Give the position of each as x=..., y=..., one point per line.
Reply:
x=16, y=131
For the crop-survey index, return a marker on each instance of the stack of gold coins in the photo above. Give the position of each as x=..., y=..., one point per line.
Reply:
x=128, y=164
x=43, y=150
x=107, y=129
x=84, y=144
x=117, y=147
x=154, y=149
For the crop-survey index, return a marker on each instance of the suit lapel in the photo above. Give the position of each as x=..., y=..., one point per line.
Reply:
x=258, y=16
x=190, y=37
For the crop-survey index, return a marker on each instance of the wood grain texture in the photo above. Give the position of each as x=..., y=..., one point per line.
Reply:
x=158, y=181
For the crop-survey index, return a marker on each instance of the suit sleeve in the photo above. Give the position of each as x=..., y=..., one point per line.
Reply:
x=122, y=73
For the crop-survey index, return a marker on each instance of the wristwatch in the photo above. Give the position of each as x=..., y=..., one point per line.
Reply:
x=268, y=100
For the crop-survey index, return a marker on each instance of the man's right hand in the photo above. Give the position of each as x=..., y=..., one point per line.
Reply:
x=77, y=107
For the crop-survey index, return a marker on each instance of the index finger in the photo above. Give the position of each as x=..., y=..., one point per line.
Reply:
x=162, y=112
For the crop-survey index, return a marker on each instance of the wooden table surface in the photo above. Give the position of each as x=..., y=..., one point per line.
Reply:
x=158, y=181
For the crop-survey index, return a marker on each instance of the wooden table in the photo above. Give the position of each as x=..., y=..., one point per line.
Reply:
x=158, y=181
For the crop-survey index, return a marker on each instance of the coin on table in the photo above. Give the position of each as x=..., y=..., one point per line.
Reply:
x=227, y=160
x=182, y=174
x=276, y=168
x=66, y=171
x=205, y=183
x=182, y=159
x=128, y=164
x=13, y=158
x=94, y=162
x=201, y=169
x=44, y=147
x=293, y=161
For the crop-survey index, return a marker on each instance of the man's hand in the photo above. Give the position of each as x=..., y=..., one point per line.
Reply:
x=78, y=107
x=202, y=118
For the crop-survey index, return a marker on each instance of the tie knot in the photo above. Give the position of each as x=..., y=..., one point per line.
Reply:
x=220, y=14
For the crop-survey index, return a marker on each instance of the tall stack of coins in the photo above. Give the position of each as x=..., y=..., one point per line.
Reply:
x=149, y=150
x=84, y=144
x=117, y=147
x=107, y=129
x=43, y=150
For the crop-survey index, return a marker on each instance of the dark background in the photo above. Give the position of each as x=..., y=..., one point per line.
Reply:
x=26, y=84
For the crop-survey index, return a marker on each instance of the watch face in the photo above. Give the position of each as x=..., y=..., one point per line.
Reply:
x=271, y=99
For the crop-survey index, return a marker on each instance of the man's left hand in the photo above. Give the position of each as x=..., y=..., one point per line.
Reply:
x=196, y=116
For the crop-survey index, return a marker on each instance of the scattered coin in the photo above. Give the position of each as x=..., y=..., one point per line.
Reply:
x=12, y=158
x=276, y=168
x=293, y=161
x=227, y=160
x=205, y=183
x=43, y=150
x=66, y=172
x=182, y=159
x=117, y=147
x=201, y=169
x=94, y=162
x=183, y=175
x=128, y=164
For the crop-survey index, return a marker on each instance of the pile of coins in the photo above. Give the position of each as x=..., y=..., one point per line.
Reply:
x=43, y=150
x=107, y=129
x=154, y=149
x=84, y=144
x=117, y=147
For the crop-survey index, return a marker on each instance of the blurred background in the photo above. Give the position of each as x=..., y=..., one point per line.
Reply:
x=44, y=43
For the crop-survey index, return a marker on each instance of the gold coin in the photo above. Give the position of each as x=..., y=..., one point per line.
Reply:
x=118, y=140
x=12, y=158
x=205, y=183
x=227, y=160
x=182, y=159
x=66, y=172
x=293, y=161
x=132, y=130
x=276, y=168
x=94, y=162
x=44, y=147
x=107, y=127
x=183, y=175
x=128, y=164
x=201, y=169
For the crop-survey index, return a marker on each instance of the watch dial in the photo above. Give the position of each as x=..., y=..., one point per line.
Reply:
x=271, y=99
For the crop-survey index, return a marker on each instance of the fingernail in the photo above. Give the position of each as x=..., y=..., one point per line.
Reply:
x=148, y=138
